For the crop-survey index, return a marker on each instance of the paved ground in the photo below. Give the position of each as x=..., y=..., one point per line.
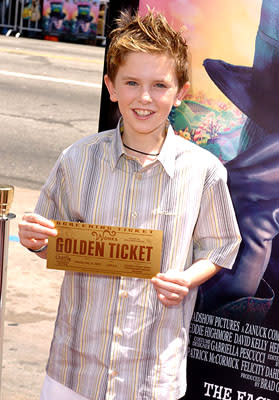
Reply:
x=31, y=302
x=41, y=117
x=61, y=112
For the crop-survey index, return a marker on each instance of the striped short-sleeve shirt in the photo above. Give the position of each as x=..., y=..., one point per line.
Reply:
x=113, y=339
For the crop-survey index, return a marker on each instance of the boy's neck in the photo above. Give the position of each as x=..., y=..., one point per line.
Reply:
x=150, y=143
x=144, y=148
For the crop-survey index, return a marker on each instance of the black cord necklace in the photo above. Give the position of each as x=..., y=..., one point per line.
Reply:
x=141, y=152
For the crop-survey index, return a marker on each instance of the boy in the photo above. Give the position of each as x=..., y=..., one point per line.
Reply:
x=126, y=338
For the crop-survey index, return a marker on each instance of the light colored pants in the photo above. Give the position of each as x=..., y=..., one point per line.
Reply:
x=52, y=390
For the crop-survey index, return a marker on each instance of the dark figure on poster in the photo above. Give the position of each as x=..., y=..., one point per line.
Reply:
x=247, y=291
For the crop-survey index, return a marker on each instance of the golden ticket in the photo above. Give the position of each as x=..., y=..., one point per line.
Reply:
x=106, y=250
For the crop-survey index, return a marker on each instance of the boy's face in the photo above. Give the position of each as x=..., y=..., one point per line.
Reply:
x=146, y=88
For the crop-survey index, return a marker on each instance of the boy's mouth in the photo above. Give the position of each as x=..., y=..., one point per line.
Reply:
x=143, y=113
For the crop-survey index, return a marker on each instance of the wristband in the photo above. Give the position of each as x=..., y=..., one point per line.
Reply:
x=39, y=250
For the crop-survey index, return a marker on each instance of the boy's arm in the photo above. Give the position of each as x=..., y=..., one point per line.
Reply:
x=173, y=286
x=53, y=203
x=216, y=241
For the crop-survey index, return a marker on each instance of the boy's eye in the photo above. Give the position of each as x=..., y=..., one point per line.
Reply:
x=160, y=85
x=131, y=83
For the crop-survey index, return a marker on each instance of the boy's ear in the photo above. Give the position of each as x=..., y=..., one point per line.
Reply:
x=111, y=89
x=181, y=94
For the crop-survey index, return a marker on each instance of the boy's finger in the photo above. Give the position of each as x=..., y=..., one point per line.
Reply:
x=29, y=234
x=164, y=281
x=38, y=219
x=32, y=226
x=168, y=295
x=174, y=277
x=36, y=231
x=169, y=286
x=33, y=244
x=168, y=302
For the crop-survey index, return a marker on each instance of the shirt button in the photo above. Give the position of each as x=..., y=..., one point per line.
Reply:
x=139, y=176
x=123, y=294
x=118, y=332
x=134, y=214
x=113, y=373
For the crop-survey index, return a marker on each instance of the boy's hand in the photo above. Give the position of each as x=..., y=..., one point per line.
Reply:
x=34, y=231
x=171, y=287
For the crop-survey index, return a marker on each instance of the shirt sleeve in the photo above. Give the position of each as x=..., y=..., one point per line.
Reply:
x=53, y=201
x=216, y=235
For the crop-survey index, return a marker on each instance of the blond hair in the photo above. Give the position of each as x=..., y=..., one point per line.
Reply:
x=150, y=33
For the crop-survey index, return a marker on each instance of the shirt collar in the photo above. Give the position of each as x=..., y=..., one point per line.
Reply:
x=166, y=157
x=117, y=146
x=168, y=152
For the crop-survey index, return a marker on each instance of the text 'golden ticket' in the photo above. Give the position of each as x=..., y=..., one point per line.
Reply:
x=106, y=250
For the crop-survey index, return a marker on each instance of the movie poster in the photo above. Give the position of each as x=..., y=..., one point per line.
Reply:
x=232, y=111
x=31, y=12
x=71, y=19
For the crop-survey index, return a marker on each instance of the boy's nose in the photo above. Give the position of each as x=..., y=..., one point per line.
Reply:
x=145, y=96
